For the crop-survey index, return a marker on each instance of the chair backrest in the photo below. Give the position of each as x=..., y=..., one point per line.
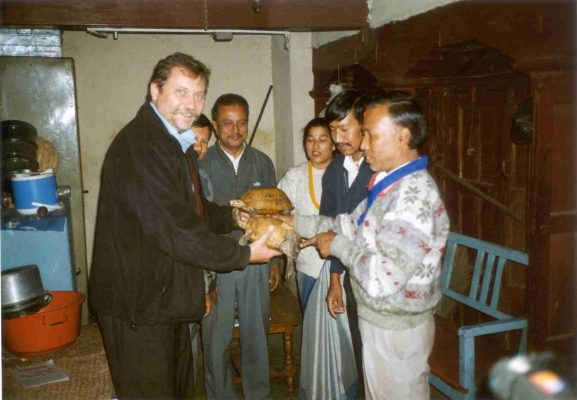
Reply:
x=486, y=280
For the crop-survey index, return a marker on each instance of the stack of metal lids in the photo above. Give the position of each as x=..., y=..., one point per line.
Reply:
x=19, y=148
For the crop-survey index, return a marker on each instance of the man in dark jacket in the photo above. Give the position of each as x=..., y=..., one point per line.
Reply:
x=154, y=235
x=345, y=185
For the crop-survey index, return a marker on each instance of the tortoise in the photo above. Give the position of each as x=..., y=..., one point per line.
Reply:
x=263, y=201
x=284, y=238
x=259, y=203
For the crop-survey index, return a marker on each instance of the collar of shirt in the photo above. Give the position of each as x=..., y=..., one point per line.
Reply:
x=381, y=175
x=352, y=168
x=352, y=165
x=185, y=139
x=234, y=160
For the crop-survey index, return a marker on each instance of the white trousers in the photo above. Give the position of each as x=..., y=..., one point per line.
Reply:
x=396, y=362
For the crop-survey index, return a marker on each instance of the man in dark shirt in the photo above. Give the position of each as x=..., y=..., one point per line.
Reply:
x=154, y=236
x=345, y=185
x=238, y=168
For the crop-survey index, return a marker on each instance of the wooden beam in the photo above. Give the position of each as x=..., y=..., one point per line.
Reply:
x=185, y=14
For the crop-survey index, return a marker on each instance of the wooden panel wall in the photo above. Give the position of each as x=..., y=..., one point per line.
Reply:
x=470, y=125
x=469, y=120
x=532, y=33
x=553, y=222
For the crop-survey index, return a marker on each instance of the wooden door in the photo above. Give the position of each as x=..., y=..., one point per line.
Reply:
x=470, y=129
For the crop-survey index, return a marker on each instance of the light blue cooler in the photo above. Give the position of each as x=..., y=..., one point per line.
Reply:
x=34, y=190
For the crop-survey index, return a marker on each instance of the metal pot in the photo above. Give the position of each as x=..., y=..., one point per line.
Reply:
x=19, y=148
x=21, y=287
x=18, y=164
x=14, y=129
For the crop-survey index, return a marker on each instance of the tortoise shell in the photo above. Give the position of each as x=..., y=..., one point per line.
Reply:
x=265, y=201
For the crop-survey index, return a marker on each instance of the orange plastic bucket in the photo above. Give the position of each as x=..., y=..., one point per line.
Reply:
x=51, y=328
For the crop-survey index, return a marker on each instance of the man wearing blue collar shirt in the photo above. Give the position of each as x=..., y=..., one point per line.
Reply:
x=392, y=245
x=154, y=235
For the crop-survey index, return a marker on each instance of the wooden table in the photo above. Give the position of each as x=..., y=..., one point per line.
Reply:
x=284, y=312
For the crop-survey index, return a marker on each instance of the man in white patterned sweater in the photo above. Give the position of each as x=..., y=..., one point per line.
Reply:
x=392, y=245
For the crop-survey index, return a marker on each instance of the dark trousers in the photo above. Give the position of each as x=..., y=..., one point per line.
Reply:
x=353, y=318
x=148, y=361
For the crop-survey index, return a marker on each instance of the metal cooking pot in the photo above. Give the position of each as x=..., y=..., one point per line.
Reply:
x=18, y=164
x=21, y=286
x=14, y=129
x=19, y=148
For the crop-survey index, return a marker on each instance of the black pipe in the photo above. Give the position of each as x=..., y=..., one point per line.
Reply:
x=260, y=115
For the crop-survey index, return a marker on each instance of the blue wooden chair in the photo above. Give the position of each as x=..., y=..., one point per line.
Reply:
x=483, y=296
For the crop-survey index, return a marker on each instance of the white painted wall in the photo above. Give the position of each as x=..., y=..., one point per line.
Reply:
x=302, y=82
x=294, y=107
x=382, y=12
x=320, y=38
x=111, y=84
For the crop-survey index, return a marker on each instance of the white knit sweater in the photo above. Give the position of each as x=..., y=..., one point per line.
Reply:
x=394, y=257
x=295, y=183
